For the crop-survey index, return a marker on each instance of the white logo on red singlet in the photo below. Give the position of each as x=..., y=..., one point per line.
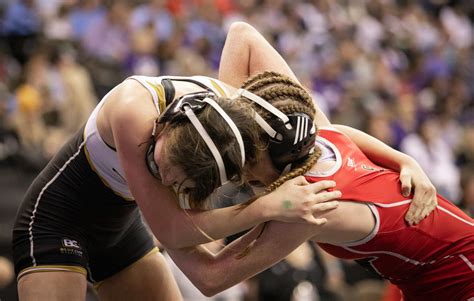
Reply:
x=350, y=162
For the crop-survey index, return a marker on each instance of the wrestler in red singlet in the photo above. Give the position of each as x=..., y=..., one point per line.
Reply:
x=434, y=259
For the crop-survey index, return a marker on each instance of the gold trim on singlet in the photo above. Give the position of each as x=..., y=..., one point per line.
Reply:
x=160, y=91
x=91, y=164
x=218, y=88
x=52, y=268
x=152, y=251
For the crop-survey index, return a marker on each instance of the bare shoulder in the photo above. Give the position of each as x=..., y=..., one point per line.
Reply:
x=131, y=93
x=130, y=115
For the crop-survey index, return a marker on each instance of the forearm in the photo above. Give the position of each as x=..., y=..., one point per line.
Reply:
x=220, y=223
x=377, y=151
x=307, y=202
x=214, y=273
x=204, y=268
x=245, y=53
x=178, y=228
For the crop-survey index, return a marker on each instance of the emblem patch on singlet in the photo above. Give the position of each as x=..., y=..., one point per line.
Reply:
x=70, y=247
x=351, y=162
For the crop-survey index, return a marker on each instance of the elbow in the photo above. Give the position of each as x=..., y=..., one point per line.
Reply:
x=211, y=282
x=239, y=28
x=207, y=290
x=209, y=287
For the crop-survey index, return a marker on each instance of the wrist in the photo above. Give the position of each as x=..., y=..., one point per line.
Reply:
x=263, y=212
x=407, y=161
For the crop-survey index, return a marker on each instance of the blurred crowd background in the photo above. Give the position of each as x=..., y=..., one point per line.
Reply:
x=403, y=71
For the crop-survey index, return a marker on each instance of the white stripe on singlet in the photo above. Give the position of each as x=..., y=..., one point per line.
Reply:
x=469, y=263
x=404, y=258
x=33, y=214
x=454, y=215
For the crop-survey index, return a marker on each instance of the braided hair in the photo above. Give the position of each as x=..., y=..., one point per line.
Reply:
x=289, y=97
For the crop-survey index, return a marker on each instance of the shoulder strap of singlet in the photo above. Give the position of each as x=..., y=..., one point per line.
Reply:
x=170, y=91
x=211, y=85
x=163, y=92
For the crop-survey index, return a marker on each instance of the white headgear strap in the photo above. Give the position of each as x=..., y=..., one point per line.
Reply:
x=266, y=105
x=232, y=125
x=208, y=140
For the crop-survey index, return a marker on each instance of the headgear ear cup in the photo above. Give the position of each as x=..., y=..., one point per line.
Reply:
x=295, y=144
x=150, y=154
x=184, y=108
x=292, y=136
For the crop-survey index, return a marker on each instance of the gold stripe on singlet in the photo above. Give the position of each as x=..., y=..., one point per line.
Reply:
x=218, y=88
x=52, y=268
x=160, y=91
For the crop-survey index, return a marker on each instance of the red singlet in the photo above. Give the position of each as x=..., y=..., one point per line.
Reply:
x=433, y=260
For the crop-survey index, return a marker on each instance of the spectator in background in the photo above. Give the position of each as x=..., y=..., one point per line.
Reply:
x=305, y=274
x=9, y=141
x=107, y=46
x=465, y=153
x=31, y=103
x=79, y=97
x=467, y=187
x=84, y=15
x=108, y=37
x=7, y=274
x=153, y=13
x=58, y=27
x=71, y=95
x=417, y=57
x=434, y=155
x=21, y=26
x=142, y=59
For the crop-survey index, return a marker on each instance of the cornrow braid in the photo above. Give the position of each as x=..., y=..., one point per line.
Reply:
x=272, y=79
x=255, y=85
x=300, y=99
x=300, y=170
x=262, y=75
x=289, y=97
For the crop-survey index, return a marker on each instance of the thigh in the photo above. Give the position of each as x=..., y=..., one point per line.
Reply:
x=51, y=286
x=147, y=279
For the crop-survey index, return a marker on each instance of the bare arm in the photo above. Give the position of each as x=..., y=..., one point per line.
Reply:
x=246, y=52
x=411, y=174
x=174, y=227
x=212, y=273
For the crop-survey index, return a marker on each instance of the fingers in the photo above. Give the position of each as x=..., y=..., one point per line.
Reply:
x=321, y=185
x=325, y=196
x=300, y=180
x=413, y=215
x=324, y=206
x=406, y=184
x=425, y=212
x=421, y=207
